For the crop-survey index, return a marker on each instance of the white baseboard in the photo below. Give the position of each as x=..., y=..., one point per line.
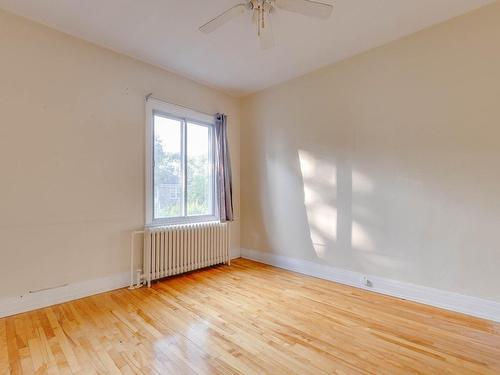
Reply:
x=447, y=300
x=439, y=298
x=28, y=302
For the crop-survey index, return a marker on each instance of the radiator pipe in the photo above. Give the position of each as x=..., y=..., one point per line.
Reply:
x=132, y=241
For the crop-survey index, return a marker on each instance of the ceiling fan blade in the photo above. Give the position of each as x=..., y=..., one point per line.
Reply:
x=267, y=35
x=306, y=7
x=223, y=18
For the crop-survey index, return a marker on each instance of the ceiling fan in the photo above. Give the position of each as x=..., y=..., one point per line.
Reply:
x=261, y=9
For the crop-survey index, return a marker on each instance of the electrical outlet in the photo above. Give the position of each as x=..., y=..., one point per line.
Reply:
x=366, y=281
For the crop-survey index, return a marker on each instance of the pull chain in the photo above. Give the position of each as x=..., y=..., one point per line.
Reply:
x=262, y=11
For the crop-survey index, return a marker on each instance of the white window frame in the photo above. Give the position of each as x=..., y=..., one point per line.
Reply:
x=186, y=115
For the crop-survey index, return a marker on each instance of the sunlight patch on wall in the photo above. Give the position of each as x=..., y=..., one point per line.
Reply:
x=307, y=164
x=319, y=184
x=360, y=239
x=361, y=183
x=319, y=243
x=310, y=196
x=319, y=174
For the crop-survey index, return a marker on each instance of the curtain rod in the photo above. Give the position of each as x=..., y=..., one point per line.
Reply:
x=150, y=96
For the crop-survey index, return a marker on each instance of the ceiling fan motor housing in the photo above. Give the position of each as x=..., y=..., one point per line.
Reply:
x=266, y=5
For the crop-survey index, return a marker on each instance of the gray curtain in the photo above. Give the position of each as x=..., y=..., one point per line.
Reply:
x=223, y=169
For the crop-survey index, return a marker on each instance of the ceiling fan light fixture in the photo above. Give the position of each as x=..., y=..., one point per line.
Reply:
x=261, y=10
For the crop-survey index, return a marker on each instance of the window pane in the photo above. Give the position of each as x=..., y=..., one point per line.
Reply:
x=167, y=169
x=199, y=181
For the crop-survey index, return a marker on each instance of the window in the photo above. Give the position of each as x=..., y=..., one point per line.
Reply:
x=173, y=192
x=180, y=164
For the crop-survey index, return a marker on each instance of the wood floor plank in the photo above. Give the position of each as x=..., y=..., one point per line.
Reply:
x=4, y=352
x=248, y=318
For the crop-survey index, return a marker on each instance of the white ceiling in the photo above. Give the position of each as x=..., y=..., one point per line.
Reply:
x=165, y=33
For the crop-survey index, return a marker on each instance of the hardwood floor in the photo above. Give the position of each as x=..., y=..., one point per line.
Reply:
x=248, y=318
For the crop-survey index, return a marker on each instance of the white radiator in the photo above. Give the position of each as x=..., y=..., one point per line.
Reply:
x=176, y=249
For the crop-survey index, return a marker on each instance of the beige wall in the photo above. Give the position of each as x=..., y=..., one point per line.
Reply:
x=72, y=154
x=387, y=163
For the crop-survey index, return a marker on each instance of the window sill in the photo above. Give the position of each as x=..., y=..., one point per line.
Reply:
x=183, y=221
